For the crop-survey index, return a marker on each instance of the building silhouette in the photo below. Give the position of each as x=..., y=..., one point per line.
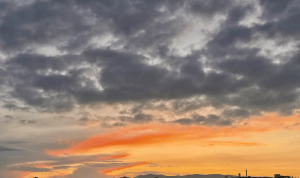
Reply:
x=210, y=176
x=239, y=176
x=124, y=177
x=280, y=176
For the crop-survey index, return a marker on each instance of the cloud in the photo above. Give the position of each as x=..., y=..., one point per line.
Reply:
x=236, y=113
x=232, y=143
x=142, y=118
x=275, y=8
x=30, y=169
x=211, y=8
x=4, y=148
x=140, y=135
x=14, y=107
x=61, y=167
x=114, y=156
x=87, y=121
x=123, y=167
x=123, y=70
x=202, y=120
x=113, y=139
x=106, y=160
x=86, y=172
x=8, y=117
x=25, y=122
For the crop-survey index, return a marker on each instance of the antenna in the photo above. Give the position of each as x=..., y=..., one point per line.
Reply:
x=246, y=172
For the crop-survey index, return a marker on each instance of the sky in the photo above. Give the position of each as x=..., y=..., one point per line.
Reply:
x=110, y=88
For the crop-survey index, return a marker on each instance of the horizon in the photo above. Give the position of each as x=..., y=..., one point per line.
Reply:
x=112, y=88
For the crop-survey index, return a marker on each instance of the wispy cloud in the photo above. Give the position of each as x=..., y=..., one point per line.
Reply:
x=114, y=156
x=106, y=171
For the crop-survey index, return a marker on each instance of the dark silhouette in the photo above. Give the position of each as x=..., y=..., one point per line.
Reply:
x=185, y=176
x=239, y=176
x=209, y=176
x=280, y=176
x=125, y=177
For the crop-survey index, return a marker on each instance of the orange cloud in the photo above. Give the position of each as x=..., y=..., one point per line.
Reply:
x=132, y=136
x=114, y=156
x=41, y=166
x=232, y=143
x=25, y=174
x=150, y=134
x=278, y=122
x=106, y=171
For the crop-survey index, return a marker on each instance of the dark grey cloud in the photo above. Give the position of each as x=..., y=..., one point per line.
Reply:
x=61, y=167
x=40, y=22
x=273, y=9
x=55, y=163
x=15, y=142
x=210, y=8
x=209, y=120
x=8, y=117
x=139, y=118
x=25, y=122
x=87, y=121
x=142, y=118
x=4, y=148
x=236, y=113
x=31, y=169
x=139, y=64
x=227, y=118
x=14, y=107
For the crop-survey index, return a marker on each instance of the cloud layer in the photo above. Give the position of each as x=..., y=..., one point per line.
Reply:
x=58, y=55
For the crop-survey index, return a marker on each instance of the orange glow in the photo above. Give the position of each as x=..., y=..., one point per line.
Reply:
x=184, y=146
x=150, y=134
x=106, y=171
x=114, y=156
x=25, y=174
x=232, y=143
x=41, y=166
x=132, y=136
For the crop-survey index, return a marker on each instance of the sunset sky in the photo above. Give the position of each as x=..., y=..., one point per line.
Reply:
x=107, y=88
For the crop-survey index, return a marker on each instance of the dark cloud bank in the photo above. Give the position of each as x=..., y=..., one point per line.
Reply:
x=109, y=52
